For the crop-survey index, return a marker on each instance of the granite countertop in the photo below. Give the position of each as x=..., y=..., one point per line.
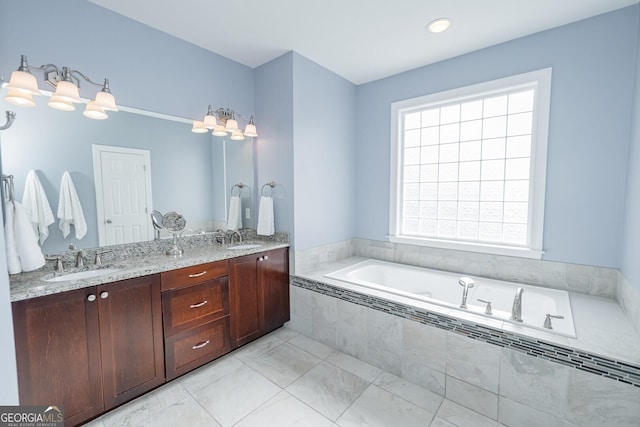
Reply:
x=30, y=285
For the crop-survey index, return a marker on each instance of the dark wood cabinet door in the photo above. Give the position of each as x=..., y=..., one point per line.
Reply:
x=58, y=353
x=245, y=300
x=273, y=276
x=131, y=338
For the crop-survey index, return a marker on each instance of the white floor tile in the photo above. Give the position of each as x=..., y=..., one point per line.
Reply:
x=463, y=417
x=314, y=347
x=379, y=408
x=284, y=364
x=184, y=413
x=415, y=394
x=202, y=377
x=235, y=395
x=355, y=366
x=328, y=389
x=258, y=347
x=284, y=410
x=285, y=333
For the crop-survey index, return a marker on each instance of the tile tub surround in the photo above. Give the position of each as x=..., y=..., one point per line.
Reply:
x=500, y=375
x=584, y=279
x=139, y=259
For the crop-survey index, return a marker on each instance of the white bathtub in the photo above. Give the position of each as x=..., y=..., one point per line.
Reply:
x=442, y=288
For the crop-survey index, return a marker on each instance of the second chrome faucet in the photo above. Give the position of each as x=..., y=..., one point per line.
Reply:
x=516, y=310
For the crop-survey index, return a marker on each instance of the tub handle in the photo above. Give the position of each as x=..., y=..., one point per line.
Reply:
x=547, y=320
x=487, y=310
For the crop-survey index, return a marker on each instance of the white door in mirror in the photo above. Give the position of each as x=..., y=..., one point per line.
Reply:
x=123, y=192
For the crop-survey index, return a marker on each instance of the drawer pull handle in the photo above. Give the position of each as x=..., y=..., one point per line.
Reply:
x=198, y=274
x=200, y=304
x=202, y=344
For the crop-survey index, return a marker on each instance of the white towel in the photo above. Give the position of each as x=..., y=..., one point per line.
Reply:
x=265, y=217
x=36, y=206
x=234, y=222
x=70, y=209
x=23, y=252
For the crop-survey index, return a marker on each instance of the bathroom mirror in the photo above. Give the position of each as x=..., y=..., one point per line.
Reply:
x=190, y=173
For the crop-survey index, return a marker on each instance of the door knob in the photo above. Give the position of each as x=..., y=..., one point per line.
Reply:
x=104, y=295
x=108, y=221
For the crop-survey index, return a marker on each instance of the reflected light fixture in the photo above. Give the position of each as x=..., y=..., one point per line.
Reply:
x=222, y=122
x=23, y=85
x=439, y=25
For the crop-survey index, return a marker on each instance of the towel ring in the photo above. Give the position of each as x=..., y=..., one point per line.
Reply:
x=269, y=184
x=239, y=186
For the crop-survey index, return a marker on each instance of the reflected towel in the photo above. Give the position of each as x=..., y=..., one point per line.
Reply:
x=265, y=217
x=23, y=252
x=36, y=206
x=70, y=209
x=234, y=222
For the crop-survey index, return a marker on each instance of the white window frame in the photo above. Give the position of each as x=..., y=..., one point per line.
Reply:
x=541, y=80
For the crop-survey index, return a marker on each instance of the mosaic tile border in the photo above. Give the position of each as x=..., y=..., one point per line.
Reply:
x=598, y=365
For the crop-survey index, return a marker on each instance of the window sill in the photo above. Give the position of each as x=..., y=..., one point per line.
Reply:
x=469, y=247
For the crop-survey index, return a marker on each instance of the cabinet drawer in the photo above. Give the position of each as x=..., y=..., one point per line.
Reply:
x=191, y=306
x=191, y=275
x=197, y=346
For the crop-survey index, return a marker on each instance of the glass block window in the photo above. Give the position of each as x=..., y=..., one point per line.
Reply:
x=465, y=165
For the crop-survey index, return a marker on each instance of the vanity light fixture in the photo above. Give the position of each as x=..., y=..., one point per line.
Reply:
x=222, y=122
x=23, y=85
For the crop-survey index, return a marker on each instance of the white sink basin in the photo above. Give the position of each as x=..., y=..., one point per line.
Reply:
x=79, y=275
x=245, y=246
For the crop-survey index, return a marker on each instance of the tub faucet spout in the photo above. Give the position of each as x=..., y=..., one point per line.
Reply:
x=516, y=310
x=467, y=283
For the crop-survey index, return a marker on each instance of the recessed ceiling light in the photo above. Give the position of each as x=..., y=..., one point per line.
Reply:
x=439, y=25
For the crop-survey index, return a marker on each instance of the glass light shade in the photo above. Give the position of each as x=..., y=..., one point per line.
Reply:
x=199, y=127
x=16, y=97
x=210, y=121
x=60, y=104
x=250, y=131
x=219, y=131
x=231, y=126
x=237, y=135
x=67, y=91
x=94, y=111
x=106, y=101
x=24, y=82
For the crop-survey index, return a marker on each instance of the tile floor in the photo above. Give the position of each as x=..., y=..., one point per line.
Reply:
x=287, y=379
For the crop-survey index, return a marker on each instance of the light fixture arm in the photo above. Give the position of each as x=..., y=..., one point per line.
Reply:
x=11, y=116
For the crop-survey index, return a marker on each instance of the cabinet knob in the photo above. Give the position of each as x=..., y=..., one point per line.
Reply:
x=266, y=257
x=261, y=259
x=91, y=298
x=108, y=221
x=104, y=295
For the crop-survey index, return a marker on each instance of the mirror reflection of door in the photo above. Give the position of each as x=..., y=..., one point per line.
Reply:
x=123, y=194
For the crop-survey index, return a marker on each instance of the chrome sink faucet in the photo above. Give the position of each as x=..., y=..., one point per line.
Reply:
x=516, y=310
x=468, y=283
x=233, y=234
x=79, y=256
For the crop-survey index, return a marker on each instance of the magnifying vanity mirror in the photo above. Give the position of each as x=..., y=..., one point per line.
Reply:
x=188, y=173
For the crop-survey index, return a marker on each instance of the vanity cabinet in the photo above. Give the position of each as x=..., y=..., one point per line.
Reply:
x=195, y=303
x=91, y=349
x=259, y=294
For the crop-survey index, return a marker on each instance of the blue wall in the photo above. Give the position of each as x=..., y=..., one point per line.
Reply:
x=274, y=147
x=631, y=248
x=593, y=69
x=324, y=155
x=148, y=69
